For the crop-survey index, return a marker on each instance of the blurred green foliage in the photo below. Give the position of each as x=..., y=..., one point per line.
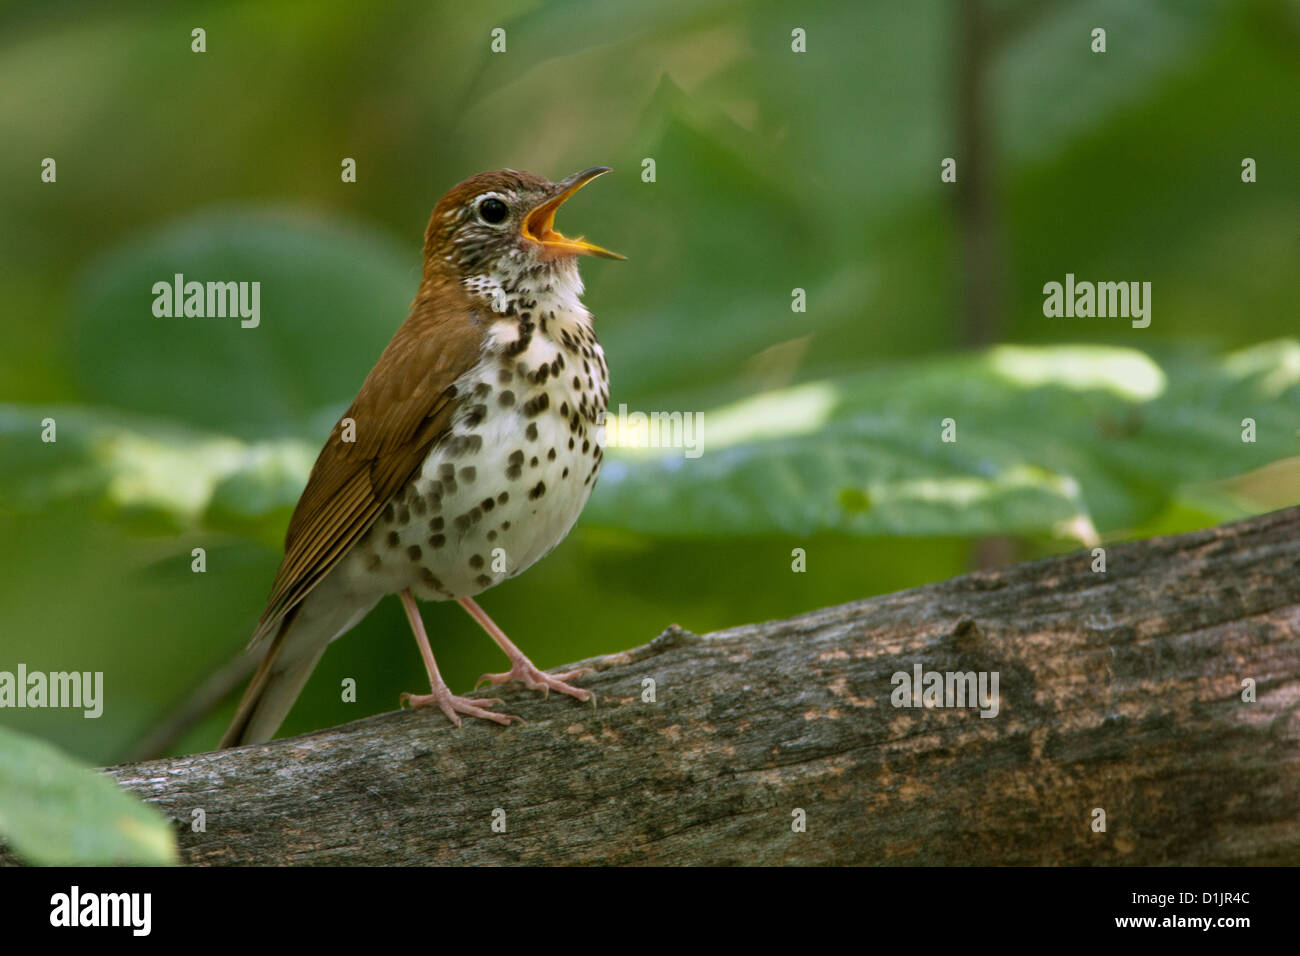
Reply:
x=54, y=811
x=774, y=171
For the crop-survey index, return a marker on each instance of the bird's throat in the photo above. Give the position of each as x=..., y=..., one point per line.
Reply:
x=511, y=288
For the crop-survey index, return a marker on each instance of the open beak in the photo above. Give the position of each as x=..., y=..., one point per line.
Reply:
x=539, y=224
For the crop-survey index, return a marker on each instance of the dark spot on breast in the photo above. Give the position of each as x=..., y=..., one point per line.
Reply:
x=521, y=344
x=468, y=474
x=565, y=473
x=550, y=455
x=474, y=417
x=462, y=523
x=414, y=552
x=537, y=405
x=537, y=491
x=483, y=581
x=503, y=497
x=532, y=462
x=492, y=535
x=373, y=561
x=428, y=578
x=437, y=541
x=393, y=539
x=458, y=445
x=389, y=513
x=488, y=504
x=506, y=398
x=419, y=506
x=531, y=432
x=505, y=376
x=436, y=524
x=476, y=561
x=482, y=390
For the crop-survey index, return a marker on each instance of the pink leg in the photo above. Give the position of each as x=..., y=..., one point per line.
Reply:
x=449, y=703
x=521, y=668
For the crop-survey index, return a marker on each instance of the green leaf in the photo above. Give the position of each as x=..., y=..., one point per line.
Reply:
x=331, y=296
x=1066, y=441
x=155, y=475
x=55, y=811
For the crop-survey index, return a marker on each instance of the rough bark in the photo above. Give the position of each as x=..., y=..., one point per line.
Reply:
x=1120, y=690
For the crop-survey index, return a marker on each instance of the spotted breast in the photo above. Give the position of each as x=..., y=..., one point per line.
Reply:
x=509, y=479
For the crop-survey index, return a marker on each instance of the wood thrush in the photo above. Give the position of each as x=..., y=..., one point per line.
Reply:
x=466, y=456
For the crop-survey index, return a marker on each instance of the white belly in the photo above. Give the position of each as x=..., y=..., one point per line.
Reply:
x=505, y=486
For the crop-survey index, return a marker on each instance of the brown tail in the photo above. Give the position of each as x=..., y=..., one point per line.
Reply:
x=277, y=683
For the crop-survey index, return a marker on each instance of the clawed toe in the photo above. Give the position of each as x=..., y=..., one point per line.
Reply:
x=534, y=679
x=454, y=706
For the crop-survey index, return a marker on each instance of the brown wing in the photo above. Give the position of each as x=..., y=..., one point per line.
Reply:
x=404, y=407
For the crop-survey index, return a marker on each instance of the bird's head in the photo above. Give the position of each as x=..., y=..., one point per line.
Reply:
x=502, y=223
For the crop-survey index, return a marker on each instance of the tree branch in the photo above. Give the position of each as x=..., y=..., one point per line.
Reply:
x=1119, y=690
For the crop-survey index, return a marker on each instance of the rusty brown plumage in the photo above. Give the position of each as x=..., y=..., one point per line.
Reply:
x=404, y=406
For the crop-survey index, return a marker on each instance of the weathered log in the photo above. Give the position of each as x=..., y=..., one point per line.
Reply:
x=1120, y=691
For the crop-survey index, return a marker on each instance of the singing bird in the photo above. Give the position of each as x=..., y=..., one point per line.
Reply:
x=467, y=455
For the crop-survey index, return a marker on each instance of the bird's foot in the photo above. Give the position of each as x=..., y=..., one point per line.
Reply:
x=526, y=671
x=454, y=706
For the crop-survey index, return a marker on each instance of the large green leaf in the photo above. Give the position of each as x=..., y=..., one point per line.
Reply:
x=156, y=474
x=55, y=811
x=1065, y=440
x=331, y=296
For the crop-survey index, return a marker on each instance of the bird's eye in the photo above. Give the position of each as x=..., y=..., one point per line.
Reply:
x=492, y=210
